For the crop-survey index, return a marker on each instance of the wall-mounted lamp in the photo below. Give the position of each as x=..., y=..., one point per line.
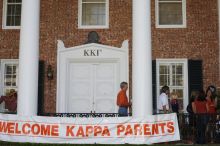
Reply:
x=49, y=72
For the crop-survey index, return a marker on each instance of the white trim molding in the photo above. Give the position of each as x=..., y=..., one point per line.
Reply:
x=98, y=53
x=80, y=26
x=185, y=77
x=184, y=25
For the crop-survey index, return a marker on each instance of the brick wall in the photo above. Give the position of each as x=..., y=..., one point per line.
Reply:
x=198, y=41
x=9, y=40
x=59, y=21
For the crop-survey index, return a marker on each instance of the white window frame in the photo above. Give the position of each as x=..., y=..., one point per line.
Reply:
x=4, y=17
x=185, y=77
x=2, y=70
x=80, y=26
x=3, y=63
x=170, y=26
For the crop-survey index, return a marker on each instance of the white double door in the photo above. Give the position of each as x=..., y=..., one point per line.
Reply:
x=92, y=87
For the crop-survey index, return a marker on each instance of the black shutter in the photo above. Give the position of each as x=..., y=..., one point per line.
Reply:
x=195, y=75
x=154, y=86
x=41, y=87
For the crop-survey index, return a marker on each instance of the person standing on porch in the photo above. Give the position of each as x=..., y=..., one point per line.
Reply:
x=211, y=100
x=122, y=100
x=199, y=108
x=174, y=103
x=163, y=103
x=10, y=101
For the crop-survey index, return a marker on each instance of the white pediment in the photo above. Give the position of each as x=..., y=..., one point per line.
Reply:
x=92, y=50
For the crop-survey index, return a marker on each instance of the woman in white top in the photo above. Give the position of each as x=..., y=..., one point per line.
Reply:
x=163, y=103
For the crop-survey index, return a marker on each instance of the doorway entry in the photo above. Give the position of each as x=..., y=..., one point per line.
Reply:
x=89, y=76
x=92, y=87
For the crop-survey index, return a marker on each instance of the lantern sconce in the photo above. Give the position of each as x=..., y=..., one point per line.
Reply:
x=49, y=72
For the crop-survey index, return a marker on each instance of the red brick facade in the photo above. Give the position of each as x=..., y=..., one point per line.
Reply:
x=59, y=21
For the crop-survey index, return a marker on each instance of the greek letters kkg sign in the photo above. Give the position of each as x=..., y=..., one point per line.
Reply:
x=153, y=129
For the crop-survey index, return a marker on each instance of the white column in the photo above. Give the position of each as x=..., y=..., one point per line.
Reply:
x=142, y=59
x=29, y=58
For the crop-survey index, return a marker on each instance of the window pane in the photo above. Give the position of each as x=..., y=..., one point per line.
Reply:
x=179, y=69
x=8, y=83
x=164, y=69
x=8, y=21
x=10, y=10
x=17, y=20
x=18, y=10
x=93, y=14
x=164, y=80
x=177, y=74
x=8, y=69
x=8, y=80
x=14, y=77
x=14, y=80
x=177, y=80
x=170, y=13
x=14, y=69
x=164, y=75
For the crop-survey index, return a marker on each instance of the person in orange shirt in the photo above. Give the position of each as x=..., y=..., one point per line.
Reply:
x=122, y=100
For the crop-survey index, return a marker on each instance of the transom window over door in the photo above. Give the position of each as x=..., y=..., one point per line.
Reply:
x=174, y=74
x=12, y=14
x=170, y=13
x=93, y=13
